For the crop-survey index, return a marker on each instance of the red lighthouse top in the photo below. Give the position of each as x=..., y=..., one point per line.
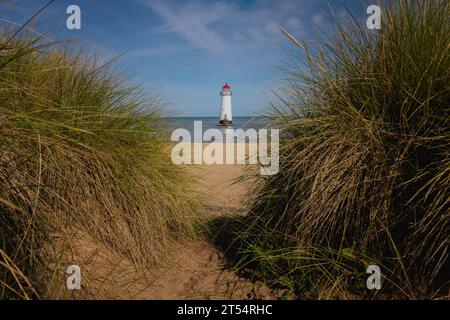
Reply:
x=226, y=86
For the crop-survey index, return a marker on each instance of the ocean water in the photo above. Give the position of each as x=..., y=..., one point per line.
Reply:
x=213, y=122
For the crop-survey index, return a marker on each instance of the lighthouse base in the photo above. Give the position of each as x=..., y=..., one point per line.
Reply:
x=225, y=122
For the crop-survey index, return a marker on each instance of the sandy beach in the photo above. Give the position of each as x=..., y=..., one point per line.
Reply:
x=197, y=268
x=200, y=271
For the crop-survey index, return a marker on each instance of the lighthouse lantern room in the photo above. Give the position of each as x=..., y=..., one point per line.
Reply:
x=225, y=107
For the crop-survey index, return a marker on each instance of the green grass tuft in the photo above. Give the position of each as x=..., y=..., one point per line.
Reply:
x=80, y=149
x=364, y=161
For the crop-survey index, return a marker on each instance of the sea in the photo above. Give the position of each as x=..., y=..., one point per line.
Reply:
x=244, y=123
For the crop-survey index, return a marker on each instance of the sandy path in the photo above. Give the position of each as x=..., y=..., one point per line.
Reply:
x=197, y=268
x=199, y=271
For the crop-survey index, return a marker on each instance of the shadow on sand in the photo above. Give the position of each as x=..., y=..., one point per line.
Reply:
x=226, y=233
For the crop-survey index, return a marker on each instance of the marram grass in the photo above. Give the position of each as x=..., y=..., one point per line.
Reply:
x=364, y=162
x=80, y=149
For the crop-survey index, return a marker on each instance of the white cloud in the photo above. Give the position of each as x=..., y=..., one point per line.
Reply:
x=255, y=33
x=318, y=19
x=192, y=21
x=272, y=28
x=294, y=23
x=221, y=27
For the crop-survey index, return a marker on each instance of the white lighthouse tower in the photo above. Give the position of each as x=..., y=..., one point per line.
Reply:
x=226, y=117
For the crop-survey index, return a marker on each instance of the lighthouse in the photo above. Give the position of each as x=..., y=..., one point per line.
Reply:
x=225, y=106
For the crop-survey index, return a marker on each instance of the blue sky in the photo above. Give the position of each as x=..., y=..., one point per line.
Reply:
x=186, y=50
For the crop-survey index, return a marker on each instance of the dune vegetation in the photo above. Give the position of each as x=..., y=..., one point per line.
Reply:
x=364, y=163
x=364, y=166
x=80, y=149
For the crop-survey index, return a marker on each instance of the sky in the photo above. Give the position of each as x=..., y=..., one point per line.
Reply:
x=186, y=50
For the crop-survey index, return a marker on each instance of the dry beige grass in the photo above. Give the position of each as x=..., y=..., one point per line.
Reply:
x=80, y=149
